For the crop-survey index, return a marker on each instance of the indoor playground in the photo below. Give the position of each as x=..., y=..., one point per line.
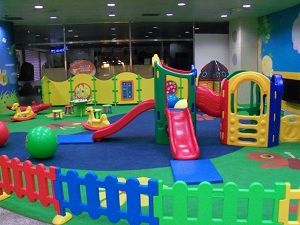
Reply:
x=183, y=146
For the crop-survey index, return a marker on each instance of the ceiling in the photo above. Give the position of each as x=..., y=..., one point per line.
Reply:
x=22, y=12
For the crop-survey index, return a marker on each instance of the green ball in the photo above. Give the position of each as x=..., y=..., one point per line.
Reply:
x=41, y=142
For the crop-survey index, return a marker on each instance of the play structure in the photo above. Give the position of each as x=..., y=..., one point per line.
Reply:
x=174, y=126
x=253, y=124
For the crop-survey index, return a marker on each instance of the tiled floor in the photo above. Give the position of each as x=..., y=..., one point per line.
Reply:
x=9, y=218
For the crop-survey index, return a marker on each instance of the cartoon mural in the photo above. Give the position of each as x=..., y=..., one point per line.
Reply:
x=82, y=91
x=280, y=53
x=8, y=69
x=281, y=41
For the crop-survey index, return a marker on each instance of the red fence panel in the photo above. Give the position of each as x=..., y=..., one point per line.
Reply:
x=25, y=179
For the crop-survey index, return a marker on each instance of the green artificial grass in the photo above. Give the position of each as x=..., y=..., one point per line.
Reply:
x=234, y=167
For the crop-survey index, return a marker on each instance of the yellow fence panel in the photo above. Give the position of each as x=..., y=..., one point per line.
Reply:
x=290, y=128
x=284, y=206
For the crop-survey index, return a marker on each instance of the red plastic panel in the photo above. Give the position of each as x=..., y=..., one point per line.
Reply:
x=208, y=101
x=171, y=87
x=176, y=70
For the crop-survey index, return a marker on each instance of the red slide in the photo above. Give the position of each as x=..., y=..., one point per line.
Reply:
x=126, y=119
x=208, y=101
x=182, y=135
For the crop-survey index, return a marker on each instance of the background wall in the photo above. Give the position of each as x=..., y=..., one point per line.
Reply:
x=208, y=47
x=243, y=44
x=8, y=68
x=243, y=50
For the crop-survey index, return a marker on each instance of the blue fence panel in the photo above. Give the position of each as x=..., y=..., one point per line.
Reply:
x=276, y=86
x=71, y=185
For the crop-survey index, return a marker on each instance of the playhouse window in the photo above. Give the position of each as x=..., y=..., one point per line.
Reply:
x=249, y=99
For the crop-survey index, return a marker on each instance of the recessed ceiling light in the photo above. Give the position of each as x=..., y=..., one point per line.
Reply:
x=111, y=14
x=76, y=36
x=197, y=28
x=70, y=31
x=146, y=36
x=224, y=15
x=111, y=4
x=38, y=6
x=150, y=32
x=181, y=4
x=53, y=17
x=246, y=6
x=113, y=28
x=155, y=27
x=187, y=32
x=113, y=34
x=169, y=14
x=37, y=35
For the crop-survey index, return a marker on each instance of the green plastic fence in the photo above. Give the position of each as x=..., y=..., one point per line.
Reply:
x=114, y=79
x=94, y=90
x=71, y=91
x=180, y=88
x=139, y=89
x=172, y=208
x=49, y=92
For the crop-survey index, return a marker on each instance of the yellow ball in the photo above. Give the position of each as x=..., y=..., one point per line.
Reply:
x=181, y=104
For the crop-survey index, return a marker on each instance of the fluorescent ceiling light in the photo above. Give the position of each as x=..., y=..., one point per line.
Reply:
x=111, y=14
x=169, y=14
x=224, y=15
x=187, y=32
x=113, y=28
x=37, y=35
x=181, y=4
x=53, y=17
x=246, y=6
x=111, y=4
x=70, y=31
x=155, y=27
x=38, y=6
